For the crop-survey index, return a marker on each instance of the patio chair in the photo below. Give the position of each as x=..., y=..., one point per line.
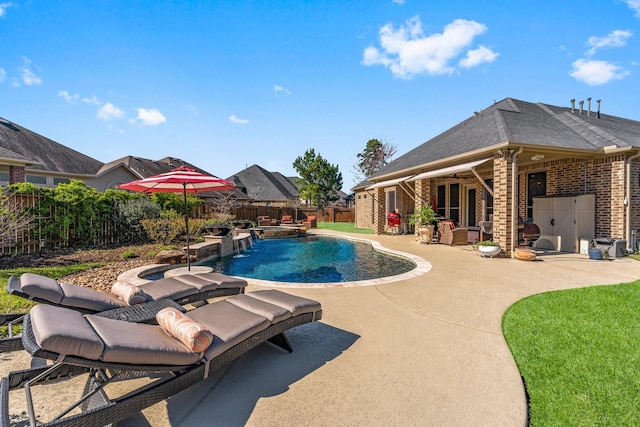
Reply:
x=116, y=351
x=173, y=291
x=448, y=234
x=310, y=222
x=286, y=219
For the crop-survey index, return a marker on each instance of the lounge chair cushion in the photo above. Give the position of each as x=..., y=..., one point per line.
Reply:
x=129, y=293
x=169, y=287
x=210, y=281
x=192, y=334
x=81, y=297
x=295, y=304
x=69, y=334
x=229, y=323
x=271, y=312
x=41, y=287
x=139, y=343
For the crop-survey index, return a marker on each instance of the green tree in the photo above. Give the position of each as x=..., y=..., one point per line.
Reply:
x=374, y=157
x=320, y=182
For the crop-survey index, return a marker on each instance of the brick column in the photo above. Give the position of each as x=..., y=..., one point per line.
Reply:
x=618, y=209
x=379, y=214
x=502, y=201
x=16, y=174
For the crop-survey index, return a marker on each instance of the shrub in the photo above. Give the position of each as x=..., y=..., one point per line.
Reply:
x=129, y=213
x=128, y=254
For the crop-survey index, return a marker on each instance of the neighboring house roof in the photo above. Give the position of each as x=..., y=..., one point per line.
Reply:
x=262, y=185
x=516, y=122
x=144, y=168
x=41, y=153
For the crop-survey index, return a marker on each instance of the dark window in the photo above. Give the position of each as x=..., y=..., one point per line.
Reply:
x=4, y=176
x=57, y=181
x=36, y=179
x=442, y=207
x=536, y=186
x=471, y=208
x=488, y=198
x=391, y=201
x=454, y=202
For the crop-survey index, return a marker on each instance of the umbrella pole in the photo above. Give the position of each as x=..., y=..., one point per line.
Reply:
x=186, y=223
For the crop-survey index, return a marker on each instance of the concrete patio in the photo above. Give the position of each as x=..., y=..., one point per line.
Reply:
x=427, y=350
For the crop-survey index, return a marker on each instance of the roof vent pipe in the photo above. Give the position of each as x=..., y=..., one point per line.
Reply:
x=598, y=101
x=573, y=105
x=581, y=106
x=589, y=107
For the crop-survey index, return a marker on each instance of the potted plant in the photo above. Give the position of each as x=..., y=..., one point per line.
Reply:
x=488, y=248
x=423, y=219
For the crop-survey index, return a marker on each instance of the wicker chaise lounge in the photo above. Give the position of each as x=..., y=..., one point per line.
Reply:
x=112, y=351
x=183, y=289
x=174, y=291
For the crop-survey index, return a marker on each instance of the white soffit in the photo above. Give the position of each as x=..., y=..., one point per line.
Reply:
x=388, y=183
x=449, y=171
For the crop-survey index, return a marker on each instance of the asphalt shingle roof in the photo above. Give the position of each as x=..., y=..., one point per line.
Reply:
x=19, y=143
x=515, y=121
x=262, y=185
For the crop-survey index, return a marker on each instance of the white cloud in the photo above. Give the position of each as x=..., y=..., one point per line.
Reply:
x=92, y=101
x=152, y=117
x=398, y=1
x=616, y=38
x=109, y=112
x=278, y=88
x=237, y=120
x=3, y=74
x=635, y=5
x=595, y=73
x=407, y=51
x=27, y=75
x=68, y=97
x=3, y=8
x=478, y=56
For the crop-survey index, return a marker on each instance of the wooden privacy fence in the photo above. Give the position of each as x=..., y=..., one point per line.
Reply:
x=328, y=214
x=36, y=237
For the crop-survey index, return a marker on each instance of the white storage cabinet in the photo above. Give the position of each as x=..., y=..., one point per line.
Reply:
x=564, y=221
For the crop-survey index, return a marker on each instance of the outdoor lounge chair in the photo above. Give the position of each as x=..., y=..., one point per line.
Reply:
x=183, y=289
x=173, y=291
x=115, y=351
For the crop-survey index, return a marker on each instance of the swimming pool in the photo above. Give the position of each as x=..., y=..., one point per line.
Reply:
x=312, y=259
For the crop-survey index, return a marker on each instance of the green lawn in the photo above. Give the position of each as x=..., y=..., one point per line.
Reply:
x=13, y=304
x=347, y=227
x=579, y=353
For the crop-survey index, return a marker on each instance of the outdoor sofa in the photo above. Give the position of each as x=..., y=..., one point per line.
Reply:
x=109, y=351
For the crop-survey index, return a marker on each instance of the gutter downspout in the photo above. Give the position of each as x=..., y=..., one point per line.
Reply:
x=514, y=204
x=627, y=228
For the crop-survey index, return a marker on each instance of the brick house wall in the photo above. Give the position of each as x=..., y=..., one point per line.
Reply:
x=605, y=177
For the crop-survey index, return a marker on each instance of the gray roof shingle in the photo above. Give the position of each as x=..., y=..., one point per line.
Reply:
x=43, y=153
x=520, y=122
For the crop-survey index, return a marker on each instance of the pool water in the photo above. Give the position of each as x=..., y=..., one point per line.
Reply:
x=312, y=259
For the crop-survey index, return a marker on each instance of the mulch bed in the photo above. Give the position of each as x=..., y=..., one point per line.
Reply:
x=97, y=278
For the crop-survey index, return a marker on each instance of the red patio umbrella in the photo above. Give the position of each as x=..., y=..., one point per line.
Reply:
x=182, y=180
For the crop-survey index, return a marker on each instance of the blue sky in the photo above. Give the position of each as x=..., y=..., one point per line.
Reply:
x=228, y=84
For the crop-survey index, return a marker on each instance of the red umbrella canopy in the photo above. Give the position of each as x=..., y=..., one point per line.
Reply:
x=178, y=181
